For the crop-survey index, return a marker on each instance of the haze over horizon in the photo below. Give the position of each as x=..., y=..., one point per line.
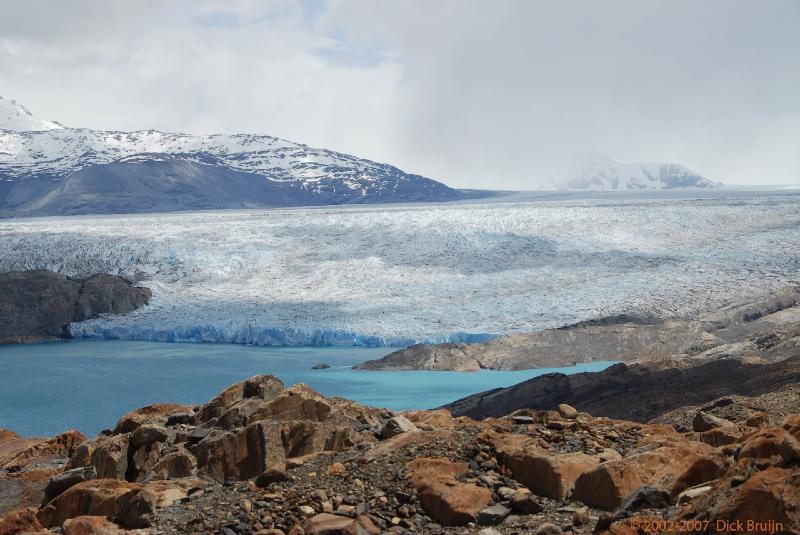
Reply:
x=506, y=95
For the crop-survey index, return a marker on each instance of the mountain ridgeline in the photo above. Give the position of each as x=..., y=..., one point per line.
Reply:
x=49, y=169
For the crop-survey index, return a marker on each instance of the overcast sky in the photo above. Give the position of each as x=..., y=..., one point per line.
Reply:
x=500, y=94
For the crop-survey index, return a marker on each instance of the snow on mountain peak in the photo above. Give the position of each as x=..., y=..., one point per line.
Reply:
x=15, y=116
x=605, y=174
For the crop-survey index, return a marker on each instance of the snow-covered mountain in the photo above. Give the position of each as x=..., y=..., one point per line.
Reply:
x=604, y=174
x=15, y=116
x=46, y=169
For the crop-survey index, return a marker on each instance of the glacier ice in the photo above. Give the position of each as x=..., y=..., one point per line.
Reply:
x=395, y=275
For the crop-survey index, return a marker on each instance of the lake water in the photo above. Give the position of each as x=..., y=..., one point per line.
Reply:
x=50, y=387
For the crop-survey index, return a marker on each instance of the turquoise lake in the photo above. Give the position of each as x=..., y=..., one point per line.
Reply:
x=87, y=385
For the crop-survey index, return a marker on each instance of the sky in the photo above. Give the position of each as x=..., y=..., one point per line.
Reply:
x=485, y=94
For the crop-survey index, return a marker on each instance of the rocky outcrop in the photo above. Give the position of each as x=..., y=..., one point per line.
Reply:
x=40, y=305
x=263, y=459
x=635, y=392
x=768, y=327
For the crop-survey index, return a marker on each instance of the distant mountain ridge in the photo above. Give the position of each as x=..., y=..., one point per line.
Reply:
x=605, y=174
x=49, y=169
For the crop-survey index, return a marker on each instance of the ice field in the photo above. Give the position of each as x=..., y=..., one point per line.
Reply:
x=393, y=275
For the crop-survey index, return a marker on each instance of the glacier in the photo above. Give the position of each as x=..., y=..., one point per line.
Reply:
x=401, y=274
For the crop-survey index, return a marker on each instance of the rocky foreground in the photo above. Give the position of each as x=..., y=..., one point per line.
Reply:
x=40, y=305
x=263, y=459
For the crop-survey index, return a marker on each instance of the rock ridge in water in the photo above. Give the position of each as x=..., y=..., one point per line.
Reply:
x=766, y=327
x=40, y=305
x=260, y=458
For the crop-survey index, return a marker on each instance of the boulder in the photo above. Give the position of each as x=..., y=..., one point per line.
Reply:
x=110, y=457
x=302, y=438
x=757, y=419
x=175, y=464
x=792, y=424
x=328, y=524
x=91, y=525
x=298, y=402
x=567, y=411
x=441, y=494
x=397, y=425
x=60, y=447
x=100, y=497
x=705, y=421
x=525, y=504
x=720, y=436
x=165, y=493
x=549, y=475
x=180, y=418
x=767, y=502
x=20, y=521
x=700, y=471
x=432, y=419
x=81, y=456
x=157, y=413
x=146, y=434
x=659, y=461
x=241, y=454
x=62, y=482
x=260, y=386
x=645, y=497
x=773, y=445
x=493, y=515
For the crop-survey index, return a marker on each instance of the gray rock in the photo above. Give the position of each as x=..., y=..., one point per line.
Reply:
x=493, y=515
x=704, y=421
x=147, y=434
x=398, y=425
x=645, y=497
x=525, y=504
x=178, y=418
x=62, y=482
x=40, y=305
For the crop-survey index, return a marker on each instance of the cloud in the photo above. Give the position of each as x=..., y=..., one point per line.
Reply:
x=500, y=94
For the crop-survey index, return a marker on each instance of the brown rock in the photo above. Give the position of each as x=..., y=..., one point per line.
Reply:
x=110, y=457
x=700, y=471
x=434, y=419
x=157, y=413
x=59, y=447
x=659, y=462
x=398, y=425
x=720, y=436
x=757, y=419
x=20, y=521
x=792, y=424
x=165, y=493
x=768, y=497
x=262, y=387
x=298, y=402
x=705, y=421
x=82, y=456
x=100, y=497
x=442, y=495
x=567, y=411
x=328, y=524
x=175, y=464
x=337, y=470
x=146, y=434
x=241, y=454
x=91, y=525
x=546, y=474
x=774, y=445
